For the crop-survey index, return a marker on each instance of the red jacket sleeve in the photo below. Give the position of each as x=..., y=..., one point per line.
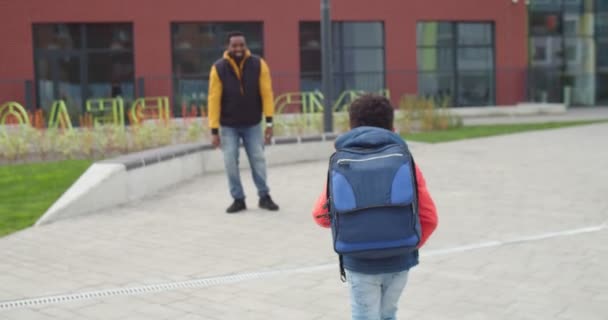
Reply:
x=426, y=209
x=320, y=213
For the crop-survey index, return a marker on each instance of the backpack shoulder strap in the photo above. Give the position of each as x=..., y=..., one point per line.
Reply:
x=328, y=207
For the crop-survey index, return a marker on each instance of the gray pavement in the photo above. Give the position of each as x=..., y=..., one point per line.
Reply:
x=573, y=114
x=522, y=236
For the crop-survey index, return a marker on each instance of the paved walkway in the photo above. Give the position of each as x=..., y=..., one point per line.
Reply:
x=522, y=236
x=573, y=114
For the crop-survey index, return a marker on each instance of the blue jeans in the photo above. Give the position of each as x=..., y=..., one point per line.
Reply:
x=375, y=296
x=254, y=146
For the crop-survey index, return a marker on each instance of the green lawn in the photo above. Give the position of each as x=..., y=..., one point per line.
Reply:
x=471, y=132
x=27, y=190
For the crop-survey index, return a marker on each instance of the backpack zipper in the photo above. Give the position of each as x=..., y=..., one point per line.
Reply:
x=341, y=161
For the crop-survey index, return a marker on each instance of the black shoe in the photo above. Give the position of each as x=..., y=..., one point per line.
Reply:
x=236, y=206
x=267, y=203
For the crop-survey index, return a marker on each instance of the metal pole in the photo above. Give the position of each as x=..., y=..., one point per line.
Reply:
x=326, y=63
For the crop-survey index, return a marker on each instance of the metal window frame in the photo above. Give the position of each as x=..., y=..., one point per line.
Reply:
x=82, y=53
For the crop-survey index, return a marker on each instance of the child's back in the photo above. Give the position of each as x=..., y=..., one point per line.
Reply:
x=381, y=211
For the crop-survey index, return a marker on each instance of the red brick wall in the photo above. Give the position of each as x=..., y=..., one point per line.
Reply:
x=152, y=18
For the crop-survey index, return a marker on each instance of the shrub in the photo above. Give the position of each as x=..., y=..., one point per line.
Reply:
x=425, y=114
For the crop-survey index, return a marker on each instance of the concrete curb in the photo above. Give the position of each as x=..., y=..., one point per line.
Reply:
x=117, y=181
x=524, y=109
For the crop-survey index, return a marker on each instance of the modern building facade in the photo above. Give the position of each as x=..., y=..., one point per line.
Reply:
x=569, y=48
x=475, y=52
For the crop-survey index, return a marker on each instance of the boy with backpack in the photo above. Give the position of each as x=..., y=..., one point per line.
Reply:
x=378, y=207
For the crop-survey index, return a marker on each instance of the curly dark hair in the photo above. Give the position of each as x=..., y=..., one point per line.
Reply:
x=233, y=34
x=372, y=111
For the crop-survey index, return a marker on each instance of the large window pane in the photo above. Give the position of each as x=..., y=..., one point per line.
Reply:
x=602, y=53
x=601, y=5
x=213, y=35
x=461, y=70
x=435, y=34
x=578, y=24
x=358, y=56
x=361, y=60
x=362, y=34
x=546, y=51
x=57, y=36
x=95, y=61
x=110, y=75
x=310, y=61
x=196, y=46
x=474, y=34
x=194, y=62
x=545, y=5
x=310, y=82
x=475, y=88
x=580, y=54
x=109, y=36
x=475, y=59
x=310, y=35
x=436, y=84
x=602, y=88
x=69, y=85
x=44, y=82
x=542, y=23
x=601, y=24
x=434, y=59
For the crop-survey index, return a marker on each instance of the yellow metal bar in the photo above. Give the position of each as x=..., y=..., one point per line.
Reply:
x=59, y=114
x=15, y=109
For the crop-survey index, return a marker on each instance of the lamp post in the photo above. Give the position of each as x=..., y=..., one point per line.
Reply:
x=326, y=64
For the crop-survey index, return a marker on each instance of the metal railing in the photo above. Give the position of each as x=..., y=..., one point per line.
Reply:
x=294, y=92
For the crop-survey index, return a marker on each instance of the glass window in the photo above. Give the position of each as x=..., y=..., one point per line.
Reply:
x=361, y=34
x=362, y=60
x=212, y=35
x=435, y=59
x=310, y=61
x=546, y=51
x=110, y=75
x=542, y=23
x=474, y=34
x=436, y=84
x=69, y=84
x=475, y=58
x=57, y=36
x=602, y=53
x=462, y=70
x=435, y=34
x=358, y=56
x=196, y=46
x=310, y=35
x=601, y=6
x=545, y=5
x=475, y=88
x=76, y=62
x=601, y=24
x=109, y=36
x=602, y=88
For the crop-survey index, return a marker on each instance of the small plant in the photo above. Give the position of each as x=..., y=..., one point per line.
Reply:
x=68, y=144
x=425, y=114
x=194, y=132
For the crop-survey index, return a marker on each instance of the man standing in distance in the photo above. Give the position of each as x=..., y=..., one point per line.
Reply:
x=240, y=91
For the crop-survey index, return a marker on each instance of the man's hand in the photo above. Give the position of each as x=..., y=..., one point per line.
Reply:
x=268, y=135
x=215, y=140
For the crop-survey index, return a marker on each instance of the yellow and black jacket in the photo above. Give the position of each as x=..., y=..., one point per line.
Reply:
x=239, y=93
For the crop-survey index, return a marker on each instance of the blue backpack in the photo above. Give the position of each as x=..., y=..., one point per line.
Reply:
x=372, y=196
